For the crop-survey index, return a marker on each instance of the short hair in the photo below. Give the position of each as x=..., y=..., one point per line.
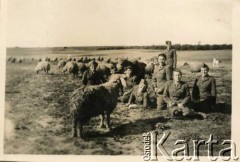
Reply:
x=162, y=55
x=205, y=66
x=178, y=71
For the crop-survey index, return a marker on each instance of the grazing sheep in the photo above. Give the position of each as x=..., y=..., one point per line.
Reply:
x=72, y=68
x=9, y=59
x=82, y=68
x=80, y=59
x=89, y=101
x=20, y=60
x=61, y=63
x=194, y=67
x=13, y=60
x=216, y=63
x=43, y=66
x=149, y=69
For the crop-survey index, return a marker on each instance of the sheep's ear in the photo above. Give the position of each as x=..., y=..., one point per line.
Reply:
x=123, y=82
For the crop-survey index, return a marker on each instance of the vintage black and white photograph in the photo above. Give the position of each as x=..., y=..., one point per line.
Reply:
x=89, y=77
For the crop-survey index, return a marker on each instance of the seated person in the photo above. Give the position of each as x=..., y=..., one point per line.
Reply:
x=161, y=75
x=130, y=83
x=177, y=96
x=204, y=91
x=91, y=76
x=139, y=95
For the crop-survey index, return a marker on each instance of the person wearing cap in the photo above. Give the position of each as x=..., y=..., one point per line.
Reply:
x=204, y=91
x=92, y=76
x=130, y=83
x=171, y=56
x=161, y=74
x=177, y=96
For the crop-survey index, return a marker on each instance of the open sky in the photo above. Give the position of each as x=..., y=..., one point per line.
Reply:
x=46, y=23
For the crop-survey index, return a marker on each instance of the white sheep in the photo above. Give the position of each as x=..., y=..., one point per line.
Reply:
x=43, y=66
x=72, y=68
x=89, y=101
x=61, y=63
x=216, y=63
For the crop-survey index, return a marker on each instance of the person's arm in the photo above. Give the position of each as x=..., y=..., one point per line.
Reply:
x=166, y=96
x=187, y=97
x=175, y=59
x=168, y=72
x=195, y=91
x=214, y=90
x=213, y=86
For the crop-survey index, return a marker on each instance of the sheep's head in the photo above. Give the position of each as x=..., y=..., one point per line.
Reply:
x=118, y=80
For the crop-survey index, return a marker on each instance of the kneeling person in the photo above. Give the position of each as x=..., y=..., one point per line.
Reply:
x=139, y=95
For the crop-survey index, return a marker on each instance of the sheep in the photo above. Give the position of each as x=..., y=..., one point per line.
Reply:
x=81, y=67
x=61, y=64
x=13, y=60
x=19, y=60
x=72, y=68
x=216, y=63
x=149, y=69
x=43, y=66
x=89, y=101
x=9, y=59
x=194, y=67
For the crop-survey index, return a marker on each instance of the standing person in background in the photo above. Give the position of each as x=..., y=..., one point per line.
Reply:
x=171, y=55
x=161, y=74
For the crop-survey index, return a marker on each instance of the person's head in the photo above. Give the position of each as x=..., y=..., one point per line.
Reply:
x=128, y=71
x=93, y=66
x=169, y=45
x=177, y=75
x=204, y=70
x=162, y=58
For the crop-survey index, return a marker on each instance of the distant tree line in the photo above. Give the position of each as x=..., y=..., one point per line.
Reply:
x=184, y=47
x=176, y=46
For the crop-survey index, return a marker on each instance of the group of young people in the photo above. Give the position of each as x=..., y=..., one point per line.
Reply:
x=170, y=91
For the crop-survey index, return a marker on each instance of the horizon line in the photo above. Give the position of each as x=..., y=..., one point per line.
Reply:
x=110, y=45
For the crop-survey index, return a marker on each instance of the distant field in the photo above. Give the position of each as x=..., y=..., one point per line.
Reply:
x=37, y=107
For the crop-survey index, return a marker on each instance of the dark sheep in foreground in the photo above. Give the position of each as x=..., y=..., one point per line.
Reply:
x=89, y=101
x=42, y=66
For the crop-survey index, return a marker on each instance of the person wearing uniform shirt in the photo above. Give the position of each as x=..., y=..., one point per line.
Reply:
x=91, y=76
x=161, y=74
x=177, y=96
x=139, y=95
x=130, y=83
x=204, y=91
x=171, y=57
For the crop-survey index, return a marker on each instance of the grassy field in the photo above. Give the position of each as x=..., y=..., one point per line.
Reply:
x=38, y=119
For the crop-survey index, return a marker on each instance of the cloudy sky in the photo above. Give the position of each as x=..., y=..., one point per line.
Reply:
x=46, y=23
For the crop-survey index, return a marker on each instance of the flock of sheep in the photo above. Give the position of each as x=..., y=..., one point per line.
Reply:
x=105, y=95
